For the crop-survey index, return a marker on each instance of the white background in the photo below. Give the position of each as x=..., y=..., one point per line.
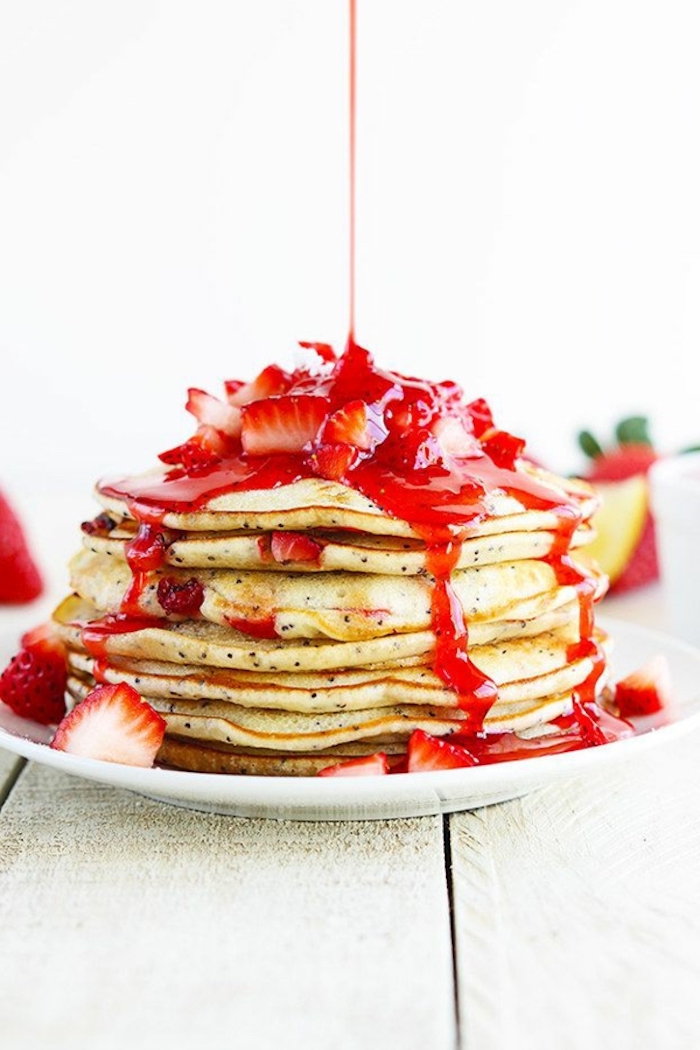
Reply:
x=173, y=211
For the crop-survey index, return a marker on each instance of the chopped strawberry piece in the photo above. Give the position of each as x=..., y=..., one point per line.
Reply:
x=349, y=425
x=211, y=412
x=324, y=350
x=271, y=381
x=34, y=682
x=180, y=598
x=294, y=546
x=426, y=753
x=334, y=461
x=503, y=448
x=454, y=438
x=482, y=419
x=372, y=765
x=207, y=446
x=646, y=690
x=112, y=724
x=102, y=525
x=20, y=579
x=287, y=423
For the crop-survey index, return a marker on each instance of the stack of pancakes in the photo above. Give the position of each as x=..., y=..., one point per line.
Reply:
x=311, y=640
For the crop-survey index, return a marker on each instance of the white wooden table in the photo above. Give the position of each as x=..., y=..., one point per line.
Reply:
x=569, y=918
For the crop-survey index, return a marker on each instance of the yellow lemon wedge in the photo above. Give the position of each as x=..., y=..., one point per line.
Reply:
x=618, y=523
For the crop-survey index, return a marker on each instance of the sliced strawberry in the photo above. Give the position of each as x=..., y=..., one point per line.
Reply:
x=646, y=690
x=112, y=724
x=34, y=682
x=371, y=765
x=426, y=753
x=207, y=446
x=503, y=448
x=209, y=411
x=294, y=546
x=454, y=438
x=482, y=419
x=271, y=381
x=20, y=579
x=334, y=461
x=349, y=425
x=324, y=350
x=287, y=423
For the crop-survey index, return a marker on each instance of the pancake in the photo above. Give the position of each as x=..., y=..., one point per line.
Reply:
x=347, y=552
x=207, y=645
x=523, y=668
x=314, y=503
x=342, y=606
x=292, y=596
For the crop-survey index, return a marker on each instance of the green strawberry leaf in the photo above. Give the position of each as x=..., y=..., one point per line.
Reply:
x=633, y=431
x=589, y=445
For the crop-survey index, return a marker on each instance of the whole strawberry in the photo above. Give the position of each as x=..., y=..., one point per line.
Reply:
x=20, y=579
x=34, y=682
x=626, y=543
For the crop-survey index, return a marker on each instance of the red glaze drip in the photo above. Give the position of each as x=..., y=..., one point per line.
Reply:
x=97, y=633
x=476, y=692
x=146, y=552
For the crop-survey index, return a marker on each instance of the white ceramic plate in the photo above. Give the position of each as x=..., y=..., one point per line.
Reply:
x=381, y=797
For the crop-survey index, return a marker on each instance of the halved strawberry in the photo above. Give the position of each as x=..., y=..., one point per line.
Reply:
x=113, y=724
x=646, y=690
x=426, y=753
x=211, y=412
x=287, y=423
x=20, y=579
x=34, y=682
x=271, y=381
x=371, y=765
x=294, y=546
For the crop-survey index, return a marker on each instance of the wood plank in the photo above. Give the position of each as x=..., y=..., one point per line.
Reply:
x=10, y=766
x=124, y=922
x=577, y=911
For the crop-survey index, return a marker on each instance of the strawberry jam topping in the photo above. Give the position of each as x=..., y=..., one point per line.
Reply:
x=414, y=448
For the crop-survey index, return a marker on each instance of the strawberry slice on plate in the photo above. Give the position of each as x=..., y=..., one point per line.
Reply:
x=646, y=690
x=371, y=765
x=33, y=684
x=20, y=579
x=427, y=753
x=112, y=724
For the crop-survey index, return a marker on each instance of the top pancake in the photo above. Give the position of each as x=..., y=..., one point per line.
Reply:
x=315, y=503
